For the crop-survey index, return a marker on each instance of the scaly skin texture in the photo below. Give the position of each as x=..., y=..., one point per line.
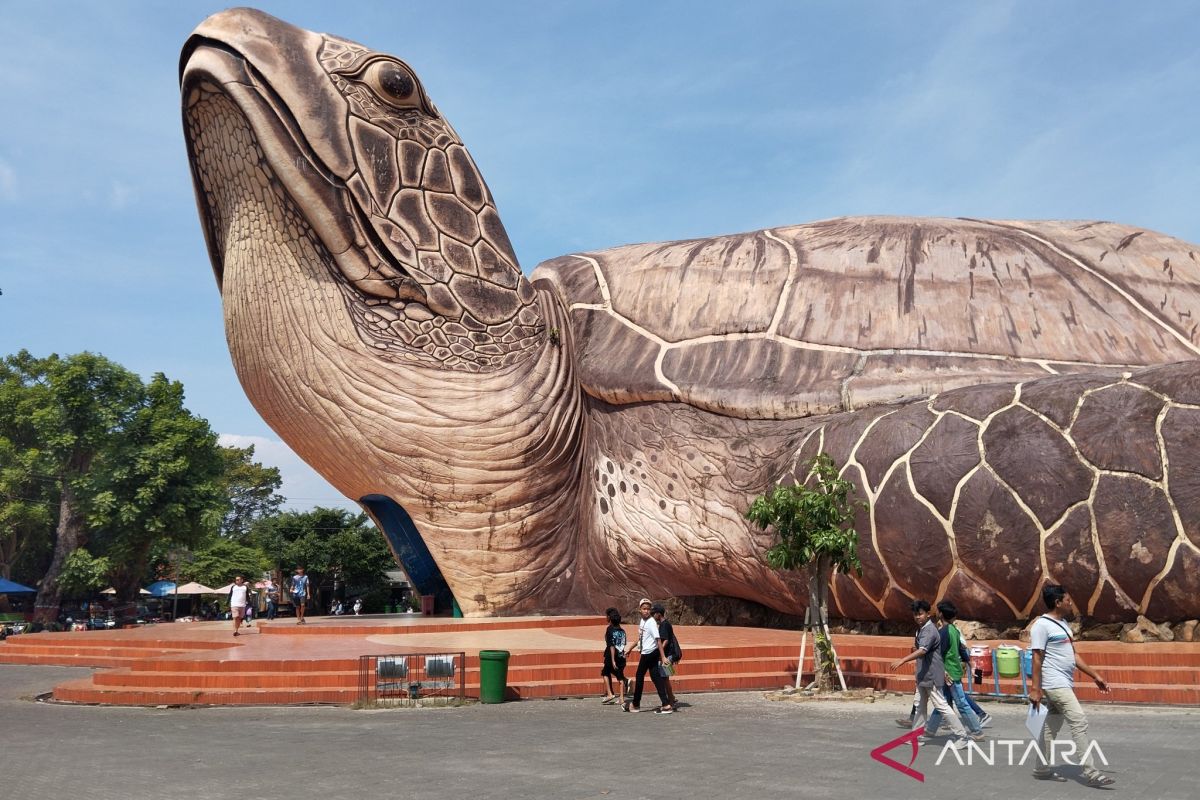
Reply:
x=597, y=434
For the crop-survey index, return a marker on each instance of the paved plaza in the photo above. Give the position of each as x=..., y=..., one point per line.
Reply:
x=719, y=746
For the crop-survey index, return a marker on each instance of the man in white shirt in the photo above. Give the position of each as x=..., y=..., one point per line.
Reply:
x=651, y=656
x=1054, y=664
x=239, y=595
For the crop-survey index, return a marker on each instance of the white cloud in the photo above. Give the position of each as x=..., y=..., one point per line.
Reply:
x=302, y=486
x=119, y=196
x=8, y=182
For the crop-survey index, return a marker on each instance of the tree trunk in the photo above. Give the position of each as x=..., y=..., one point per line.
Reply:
x=818, y=598
x=69, y=536
x=128, y=583
x=816, y=601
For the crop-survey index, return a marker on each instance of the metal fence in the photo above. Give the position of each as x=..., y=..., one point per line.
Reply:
x=412, y=679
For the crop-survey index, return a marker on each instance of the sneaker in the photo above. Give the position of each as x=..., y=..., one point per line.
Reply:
x=904, y=722
x=977, y=737
x=664, y=710
x=959, y=744
x=985, y=720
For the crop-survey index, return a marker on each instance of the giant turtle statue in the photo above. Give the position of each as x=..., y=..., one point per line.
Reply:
x=1018, y=402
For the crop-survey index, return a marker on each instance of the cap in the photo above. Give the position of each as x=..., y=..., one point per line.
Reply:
x=657, y=608
x=645, y=601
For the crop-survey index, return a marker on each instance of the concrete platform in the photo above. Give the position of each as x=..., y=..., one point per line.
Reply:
x=282, y=663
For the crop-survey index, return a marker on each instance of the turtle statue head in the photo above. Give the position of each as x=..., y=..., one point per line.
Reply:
x=375, y=312
x=376, y=173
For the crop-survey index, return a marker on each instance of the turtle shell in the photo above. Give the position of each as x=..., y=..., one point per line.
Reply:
x=839, y=314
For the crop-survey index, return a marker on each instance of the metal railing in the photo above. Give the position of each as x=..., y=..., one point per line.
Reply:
x=412, y=679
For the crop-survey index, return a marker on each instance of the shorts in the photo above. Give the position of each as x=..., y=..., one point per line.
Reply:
x=299, y=599
x=613, y=670
x=238, y=611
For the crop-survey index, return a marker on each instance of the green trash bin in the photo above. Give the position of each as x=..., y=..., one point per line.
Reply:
x=456, y=611
x=493, y=675
x=1008, y=662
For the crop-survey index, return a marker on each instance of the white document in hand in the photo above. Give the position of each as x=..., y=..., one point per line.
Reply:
x=1035, y=719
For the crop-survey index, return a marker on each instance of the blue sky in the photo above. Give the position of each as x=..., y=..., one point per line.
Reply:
x=595, y=124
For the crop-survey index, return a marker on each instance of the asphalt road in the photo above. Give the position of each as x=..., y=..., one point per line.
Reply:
x=720, y=746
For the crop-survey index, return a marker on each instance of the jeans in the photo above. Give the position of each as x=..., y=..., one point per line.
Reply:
x=955, y=695
x=979, y=712
x=1063, y=706
x=929, y=694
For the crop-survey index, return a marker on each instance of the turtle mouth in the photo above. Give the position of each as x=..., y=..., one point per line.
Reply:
x=229, y=106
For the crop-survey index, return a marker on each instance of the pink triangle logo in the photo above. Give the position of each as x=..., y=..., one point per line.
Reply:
x=911, y=738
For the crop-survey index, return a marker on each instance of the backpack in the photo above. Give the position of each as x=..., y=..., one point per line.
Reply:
x=673, y=650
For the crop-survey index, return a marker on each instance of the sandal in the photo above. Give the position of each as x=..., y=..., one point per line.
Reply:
x=1100, y=780
x=608, y=701
x=1049, y=776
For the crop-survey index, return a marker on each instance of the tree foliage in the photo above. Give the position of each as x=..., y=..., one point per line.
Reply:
x=68, y=410
x=162, y=480
x=812, y=526
x=220, y=562
x=252, y=491
x=332, y=544
x=105, y=478
x=92, y=456
x=27, y=503
x=83, y=574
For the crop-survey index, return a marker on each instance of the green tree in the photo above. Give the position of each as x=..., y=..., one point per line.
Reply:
x=27, y=502
x=160, y=480
x=252, y=489
x=335, y=547
x=69, y=408
x=82, y=574
x=811, y=522
x=218, y=563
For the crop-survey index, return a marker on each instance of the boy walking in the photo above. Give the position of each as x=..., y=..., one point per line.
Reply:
x=1054, y=664
x=951, y=647
x=299, y=593
x=239, y=594
x=931, y=672
x=667, y=645
x=648, y=645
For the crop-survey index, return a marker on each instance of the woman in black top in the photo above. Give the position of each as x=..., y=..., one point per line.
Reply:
x=614, y=659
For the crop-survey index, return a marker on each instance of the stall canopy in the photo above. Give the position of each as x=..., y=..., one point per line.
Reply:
x=12, y=587
x=194, y=588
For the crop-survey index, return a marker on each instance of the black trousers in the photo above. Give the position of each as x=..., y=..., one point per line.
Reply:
x=648, y=662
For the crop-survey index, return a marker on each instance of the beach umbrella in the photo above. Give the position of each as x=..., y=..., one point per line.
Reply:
x=12, y=587
x=162, y=588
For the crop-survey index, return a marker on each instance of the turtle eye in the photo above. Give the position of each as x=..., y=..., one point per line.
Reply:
x=393, y=83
